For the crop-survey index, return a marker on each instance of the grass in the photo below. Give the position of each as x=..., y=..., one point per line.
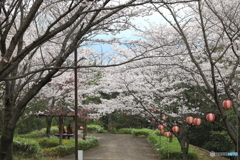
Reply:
x=170, y=151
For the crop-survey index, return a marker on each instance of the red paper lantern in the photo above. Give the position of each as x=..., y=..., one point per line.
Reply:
x=175, y=129
x=239, y=96
x=197, y=121
x=81, y=127
x=164, y=117
x=161, y=131
x=161, y=127
x=210, y=117
x=189, y=119
x=168, y=134
x=227, y=104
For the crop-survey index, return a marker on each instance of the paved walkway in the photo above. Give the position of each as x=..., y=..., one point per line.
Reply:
x=119, y=147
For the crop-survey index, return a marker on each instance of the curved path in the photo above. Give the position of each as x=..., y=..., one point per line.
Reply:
x=119, y=147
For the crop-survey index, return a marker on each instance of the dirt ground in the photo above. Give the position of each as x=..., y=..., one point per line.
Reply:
x=119, y=147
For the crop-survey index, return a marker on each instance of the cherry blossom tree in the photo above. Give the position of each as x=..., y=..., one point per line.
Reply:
x=59, y=92
x=38, y=37
x=153, y=90
x=201, y=41
x=203, y=38
x=211, y=42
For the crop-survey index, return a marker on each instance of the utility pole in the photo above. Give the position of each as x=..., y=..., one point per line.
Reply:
x=76, y=104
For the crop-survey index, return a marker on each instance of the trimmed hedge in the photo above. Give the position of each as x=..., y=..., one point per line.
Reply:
x=34, y=134
x=69, y=148
x=26, y=147
x=142, y=132
x=94, y=128
x=50, y=146
x=40, y=133
x=51, y=142
x=32, y=144
x=125, y=131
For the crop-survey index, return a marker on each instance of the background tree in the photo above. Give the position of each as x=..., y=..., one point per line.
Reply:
x=37, y=37
x=203, y=38
x=153, y=90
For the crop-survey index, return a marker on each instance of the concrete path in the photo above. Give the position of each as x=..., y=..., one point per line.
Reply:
x=119, y=147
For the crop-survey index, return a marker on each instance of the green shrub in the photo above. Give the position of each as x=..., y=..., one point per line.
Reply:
x=90, y=142
x=33, y=134
x=69, y=147
x=113, y=130
x=94, y=128
x=168, y=150
x=61, y=150
x=219, y=142
x=53, y=130
x=125, y=130
x=47, y=142
x=25, y=146
x=51, y=142
x=40, y=133
x=142, y=132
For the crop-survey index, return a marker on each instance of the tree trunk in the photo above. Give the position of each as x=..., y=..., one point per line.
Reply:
x=185, y=153
x=237, y=149
x=49, y=124
x=6, y=143
x=184, y=149
x=184, y=142
x=60, y=129
x=109, y=122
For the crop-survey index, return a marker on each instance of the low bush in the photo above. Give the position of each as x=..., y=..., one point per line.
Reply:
x=90, y=142
x=219, y=142
x=168, y=150
x=125, y=130
x=142, y=132
x=26, y=147
x=94, y=128
x=69, y=148
x=53, y=130
x=113, y=130
x=61, y=150
x=34, y=134
x=51, y=142
x=40, y=133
